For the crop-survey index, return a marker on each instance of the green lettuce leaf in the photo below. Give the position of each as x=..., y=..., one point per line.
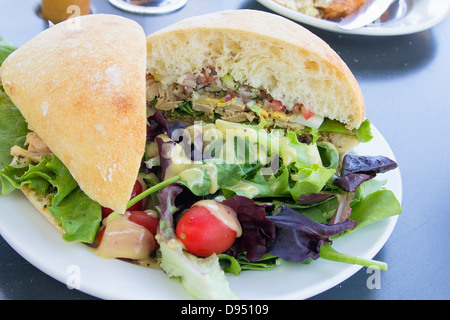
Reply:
x=52, y=170
x=374, y=207
x=201, y=277
x=10, y=179
x=79, y=216
x=259, y=186
x=363, y=133
x=5, y=49
x=299, y=171
x=13, y=128
x=310, y=179
x=327, y=252
x=237, y=265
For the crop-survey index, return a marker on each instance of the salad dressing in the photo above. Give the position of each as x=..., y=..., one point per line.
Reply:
x=188, y=170
x=147, y=262
x=248, y=189
x=125, y=239
x=222, y=212
x=179, y=161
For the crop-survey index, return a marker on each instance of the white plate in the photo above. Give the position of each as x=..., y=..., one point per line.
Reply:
x=76, y=265
x=422, y=15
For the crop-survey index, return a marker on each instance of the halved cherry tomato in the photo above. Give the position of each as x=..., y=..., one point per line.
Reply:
x=142, y=218
x=202, y=233
x=145, y=219
x=307, y=113
x=137, y=189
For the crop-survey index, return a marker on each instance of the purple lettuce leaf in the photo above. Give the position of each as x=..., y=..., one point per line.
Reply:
x=166, y=208
x=165, y=159
x=313, y=198
x=257, y=230
x=366, y=164
x=298, y=237
x=343, y=209
x=352, y=181
x=156, y=124
x=357, y=169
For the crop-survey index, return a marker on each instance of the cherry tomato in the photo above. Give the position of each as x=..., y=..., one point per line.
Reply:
x=307, y=113
x=202, y=233
x=142, y=218
x=137, y=189
x=145, y=219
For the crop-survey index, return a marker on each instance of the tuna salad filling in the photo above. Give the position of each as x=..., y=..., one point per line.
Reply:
x=213, y=97
x=206, y=96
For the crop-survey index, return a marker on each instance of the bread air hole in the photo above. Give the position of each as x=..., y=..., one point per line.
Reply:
x=311, y=65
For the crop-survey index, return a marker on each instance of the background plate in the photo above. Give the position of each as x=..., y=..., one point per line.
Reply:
x=422, y=15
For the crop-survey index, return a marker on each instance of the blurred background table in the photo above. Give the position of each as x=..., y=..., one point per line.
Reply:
x=405, y=81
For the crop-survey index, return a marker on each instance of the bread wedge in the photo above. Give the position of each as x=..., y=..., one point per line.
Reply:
x=81, y=87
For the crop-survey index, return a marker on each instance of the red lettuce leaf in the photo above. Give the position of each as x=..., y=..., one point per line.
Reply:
x=313, y=198
x=166, y=206
x=357, y=169
x=352, y=181
x=370, y=165
x=257, y=230
x=343, y=211
x=298, y=237
x=165, y=159
x=156, y=124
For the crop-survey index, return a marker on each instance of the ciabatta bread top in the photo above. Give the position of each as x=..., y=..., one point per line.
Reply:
x=81, y=87
x=264, y=51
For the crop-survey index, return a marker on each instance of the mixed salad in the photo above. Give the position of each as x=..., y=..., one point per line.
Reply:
x=214, y=197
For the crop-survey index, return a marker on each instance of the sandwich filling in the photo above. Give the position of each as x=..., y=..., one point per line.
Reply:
x=211, y=96
x=207, y=96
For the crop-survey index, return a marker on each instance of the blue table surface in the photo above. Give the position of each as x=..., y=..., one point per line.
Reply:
x=405, y=82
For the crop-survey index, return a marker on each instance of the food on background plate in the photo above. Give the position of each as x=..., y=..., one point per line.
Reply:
x=324, y=9
x=225, y=146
